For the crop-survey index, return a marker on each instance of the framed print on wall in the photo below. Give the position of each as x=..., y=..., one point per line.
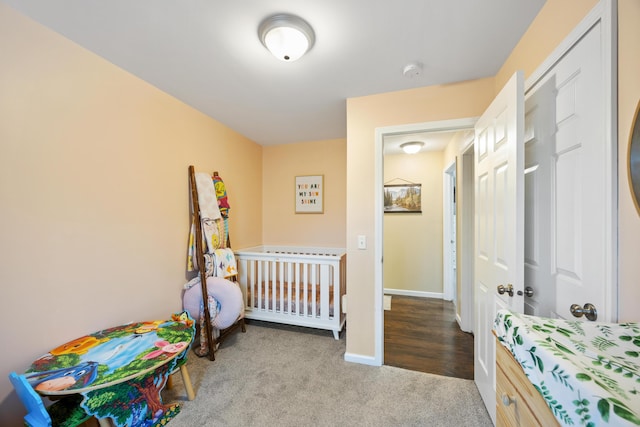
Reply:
x=309, y=194
x=403, y=198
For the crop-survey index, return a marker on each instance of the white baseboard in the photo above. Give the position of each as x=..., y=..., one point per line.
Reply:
x=420, y=294
x=363, y=360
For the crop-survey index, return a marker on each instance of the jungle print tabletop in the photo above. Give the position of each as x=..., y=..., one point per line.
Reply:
x=120, y=371
x=588, y=373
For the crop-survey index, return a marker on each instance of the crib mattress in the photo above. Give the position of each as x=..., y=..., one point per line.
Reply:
x=265, y=302
x=588, y=373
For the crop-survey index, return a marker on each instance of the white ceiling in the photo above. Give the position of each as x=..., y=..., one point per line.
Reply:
x=207, y=53
x=433, y=140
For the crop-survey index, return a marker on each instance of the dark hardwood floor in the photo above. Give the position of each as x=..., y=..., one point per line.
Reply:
x=421, y=334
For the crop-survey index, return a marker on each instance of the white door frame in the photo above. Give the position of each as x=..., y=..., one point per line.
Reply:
x=380, y=133
x=466, y=235
x=448, y=210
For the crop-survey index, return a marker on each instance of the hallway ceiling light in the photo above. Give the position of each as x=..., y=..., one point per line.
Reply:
x=412, y=147
x=287, y=37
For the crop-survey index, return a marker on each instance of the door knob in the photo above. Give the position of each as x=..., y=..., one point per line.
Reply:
x=589, y=311
x=505, y=289
x=528, y=291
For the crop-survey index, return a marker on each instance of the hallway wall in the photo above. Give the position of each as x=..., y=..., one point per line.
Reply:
x=413, y=241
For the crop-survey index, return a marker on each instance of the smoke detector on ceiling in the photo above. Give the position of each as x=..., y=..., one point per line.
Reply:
x=412, y=70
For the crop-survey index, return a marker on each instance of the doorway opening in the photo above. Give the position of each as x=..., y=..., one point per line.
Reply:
x=446, y=288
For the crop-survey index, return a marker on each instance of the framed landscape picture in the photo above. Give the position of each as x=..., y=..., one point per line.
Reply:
x=403, y=198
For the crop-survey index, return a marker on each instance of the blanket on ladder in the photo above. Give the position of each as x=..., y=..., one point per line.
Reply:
x=209, y=210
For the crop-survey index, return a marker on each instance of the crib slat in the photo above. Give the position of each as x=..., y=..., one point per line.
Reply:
x=325, y=285
x=305, y=283
x=289, y=286
x=274, y=284
x=281, y=285
x=243, y=272
x=298, y=267
x=314, y=312
x=254, y=281
x=259, y=282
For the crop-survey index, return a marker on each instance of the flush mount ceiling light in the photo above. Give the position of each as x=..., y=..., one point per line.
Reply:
x=412, y=147
x=287, y=37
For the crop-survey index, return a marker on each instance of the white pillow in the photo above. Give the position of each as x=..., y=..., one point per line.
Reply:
x=225, y=292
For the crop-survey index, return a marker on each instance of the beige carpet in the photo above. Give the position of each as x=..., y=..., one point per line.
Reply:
x=275, y=375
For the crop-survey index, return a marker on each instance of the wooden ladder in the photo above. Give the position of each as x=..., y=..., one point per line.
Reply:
x=202, y=271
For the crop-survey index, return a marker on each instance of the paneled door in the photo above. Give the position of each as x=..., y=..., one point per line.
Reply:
x=499, y=224
x=568, y=186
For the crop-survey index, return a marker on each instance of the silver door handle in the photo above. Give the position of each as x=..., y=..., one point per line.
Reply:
x=505, y=289
x=528, y=291
x=589, y=311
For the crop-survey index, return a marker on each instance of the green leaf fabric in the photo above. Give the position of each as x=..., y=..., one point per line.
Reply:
x=587, y=372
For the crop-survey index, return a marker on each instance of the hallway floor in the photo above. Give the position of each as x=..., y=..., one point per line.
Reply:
x=421, y=334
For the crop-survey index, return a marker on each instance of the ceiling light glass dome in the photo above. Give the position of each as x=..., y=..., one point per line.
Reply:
x=287, y=37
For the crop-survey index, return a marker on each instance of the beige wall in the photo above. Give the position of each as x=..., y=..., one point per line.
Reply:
x=460, y=142
x=281, y=164
x=413, y=241
x=94, y=194
x=553, y=24
x=364, y=115
x=628, y=99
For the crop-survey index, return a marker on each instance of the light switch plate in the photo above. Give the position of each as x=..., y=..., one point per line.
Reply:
x=362, y=241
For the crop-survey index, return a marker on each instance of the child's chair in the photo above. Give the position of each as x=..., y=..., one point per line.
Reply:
x=65, y=412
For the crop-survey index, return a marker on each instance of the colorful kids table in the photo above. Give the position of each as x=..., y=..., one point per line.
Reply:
x=120, y=371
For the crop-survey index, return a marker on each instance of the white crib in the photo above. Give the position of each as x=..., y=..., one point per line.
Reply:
x=294, y=285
